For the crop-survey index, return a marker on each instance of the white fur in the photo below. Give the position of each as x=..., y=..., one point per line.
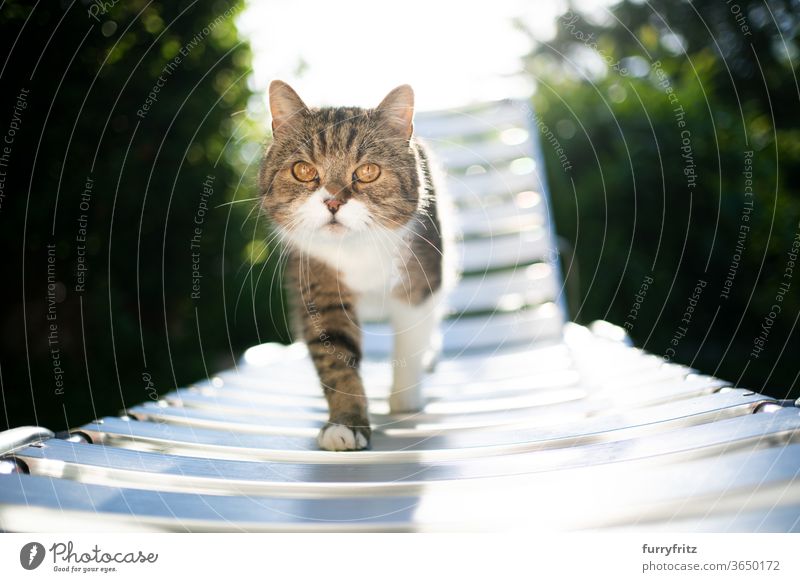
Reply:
x=365, y=254
x=368, y=258
x=314, y=214
x=337, y=437
x=416, y=342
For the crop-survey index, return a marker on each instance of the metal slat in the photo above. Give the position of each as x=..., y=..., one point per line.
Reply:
x=487, y=152
x=540, y=324
x=775, y=519
x=501, y=185
x=292, y=397
x=388, y=448
x=264, y=389
x=525, y=212
x=485, y=379
x=460, y=404
x=504, y=252
x=289, y=359
x=457, y=126
x=535, y=411
x=234, y=411
x=745, y=481
x=143, y=470
x=250, y=389
x=482, y=380
x=22, y=436
x=482, y=227
x=299, y=375
x=230, y=405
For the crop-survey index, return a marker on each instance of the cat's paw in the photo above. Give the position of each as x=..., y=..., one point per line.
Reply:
x=340, y=437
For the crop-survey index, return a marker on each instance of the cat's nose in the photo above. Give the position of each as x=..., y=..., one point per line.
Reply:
x=333, y=204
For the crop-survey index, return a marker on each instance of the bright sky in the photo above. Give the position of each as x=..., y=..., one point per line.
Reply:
x=351, y=52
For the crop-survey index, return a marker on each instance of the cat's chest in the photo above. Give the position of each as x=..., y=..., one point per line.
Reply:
x=368, y=263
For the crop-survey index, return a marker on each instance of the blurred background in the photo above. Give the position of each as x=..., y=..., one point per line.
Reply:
x=135, y=260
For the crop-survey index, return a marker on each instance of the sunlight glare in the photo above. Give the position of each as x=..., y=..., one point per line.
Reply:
x=355, y=52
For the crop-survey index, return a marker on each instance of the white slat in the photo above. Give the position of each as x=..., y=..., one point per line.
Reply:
x=514, y=250
x=617, y=495
x=524, y=211
x=145, y=470
x=458, y=156
x=500, y=184
x=506, y=290
x=396, y=448
x=519, y=404
x=541, y=324
x=465, y=123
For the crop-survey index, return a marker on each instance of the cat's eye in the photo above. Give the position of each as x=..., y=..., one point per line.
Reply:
x=304, y=172
x=367, y=172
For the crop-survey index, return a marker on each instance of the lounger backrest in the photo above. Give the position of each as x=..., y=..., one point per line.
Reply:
x=509, y=290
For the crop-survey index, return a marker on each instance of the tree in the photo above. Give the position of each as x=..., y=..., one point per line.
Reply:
x=128, y=270
x=677, y=118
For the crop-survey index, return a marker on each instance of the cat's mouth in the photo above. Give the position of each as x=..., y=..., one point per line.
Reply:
x=334, y=226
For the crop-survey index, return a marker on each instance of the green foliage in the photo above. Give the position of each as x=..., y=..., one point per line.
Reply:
x=138, y=320
x=628, y=206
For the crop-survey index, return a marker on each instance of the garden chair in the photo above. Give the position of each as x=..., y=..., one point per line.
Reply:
x=531, y=422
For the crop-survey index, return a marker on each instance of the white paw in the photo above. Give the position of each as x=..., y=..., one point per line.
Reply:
x=338, y=437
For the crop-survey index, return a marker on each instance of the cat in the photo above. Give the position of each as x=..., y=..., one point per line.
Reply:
x=351, y=193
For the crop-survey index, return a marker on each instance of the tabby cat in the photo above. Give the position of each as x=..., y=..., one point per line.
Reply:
x=350, y=193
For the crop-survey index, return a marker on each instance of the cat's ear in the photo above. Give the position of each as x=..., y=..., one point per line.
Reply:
x=285, y=105
x=398, y=107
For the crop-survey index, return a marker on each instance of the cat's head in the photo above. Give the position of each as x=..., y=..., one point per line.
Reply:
x=339, y=171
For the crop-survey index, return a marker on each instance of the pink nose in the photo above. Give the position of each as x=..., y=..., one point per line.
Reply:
x=333, y=204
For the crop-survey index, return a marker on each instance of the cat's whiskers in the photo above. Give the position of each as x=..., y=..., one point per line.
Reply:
x=277, y=234
x=232, y=202
x=410, y=250
x=400, y=225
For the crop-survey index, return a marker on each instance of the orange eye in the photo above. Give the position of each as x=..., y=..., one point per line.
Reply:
x=368, y=172
x=304, y=172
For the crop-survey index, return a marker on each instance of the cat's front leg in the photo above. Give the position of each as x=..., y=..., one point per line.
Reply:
x=415, y=345
x=331, y=332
